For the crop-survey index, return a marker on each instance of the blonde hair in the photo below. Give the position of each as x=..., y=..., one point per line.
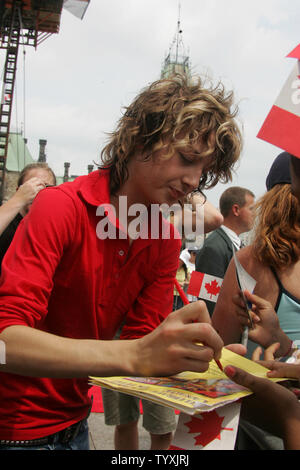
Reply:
x=177, y=113
x=277, y=235
x=35, y=166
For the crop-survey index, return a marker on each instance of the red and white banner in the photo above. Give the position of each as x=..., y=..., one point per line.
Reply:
x=282, y=125
x=214, y=430
x=205, y=286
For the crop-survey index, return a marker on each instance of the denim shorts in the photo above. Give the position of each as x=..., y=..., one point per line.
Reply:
x=120, y=408
x=80, y=442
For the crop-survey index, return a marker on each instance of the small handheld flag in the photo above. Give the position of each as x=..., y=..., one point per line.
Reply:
x=205, y=286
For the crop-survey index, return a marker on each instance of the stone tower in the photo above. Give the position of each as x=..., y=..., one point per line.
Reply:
x=177, y=59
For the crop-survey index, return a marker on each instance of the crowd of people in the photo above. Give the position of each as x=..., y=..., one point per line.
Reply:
x=81, y=298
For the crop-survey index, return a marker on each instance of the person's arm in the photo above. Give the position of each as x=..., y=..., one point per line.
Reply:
x=212, y=217
x=224, y=319
x=169, y=349
x=22, y=197
x=272, y=407
x=25, y=289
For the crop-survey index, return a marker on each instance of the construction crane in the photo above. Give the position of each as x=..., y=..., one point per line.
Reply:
x=26, y=22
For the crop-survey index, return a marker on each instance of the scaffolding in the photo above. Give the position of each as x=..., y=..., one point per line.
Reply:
x=26, y=22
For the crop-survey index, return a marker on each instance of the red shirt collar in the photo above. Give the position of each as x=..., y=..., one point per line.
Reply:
x=95, y=191
x=95, y=188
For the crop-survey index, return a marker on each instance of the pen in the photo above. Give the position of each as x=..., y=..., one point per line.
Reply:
x=244, y=339
x=185, y=300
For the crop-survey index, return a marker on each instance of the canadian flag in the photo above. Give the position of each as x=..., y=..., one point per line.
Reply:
x=282, y=125
x=205, y=286
x=213, y=430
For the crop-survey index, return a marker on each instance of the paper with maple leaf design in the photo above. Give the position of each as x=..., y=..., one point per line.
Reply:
x=214, y=430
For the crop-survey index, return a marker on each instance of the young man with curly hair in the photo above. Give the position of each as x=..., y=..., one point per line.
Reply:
x=67, y=288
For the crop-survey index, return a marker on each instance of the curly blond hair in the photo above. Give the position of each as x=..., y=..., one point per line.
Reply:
x=277, y=234
x=176, y=114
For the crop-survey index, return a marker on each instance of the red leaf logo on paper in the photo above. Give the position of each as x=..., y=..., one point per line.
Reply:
x=212, y=288
x=208, y=428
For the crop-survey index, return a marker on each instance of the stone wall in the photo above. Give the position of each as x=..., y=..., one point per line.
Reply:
x=10, y=184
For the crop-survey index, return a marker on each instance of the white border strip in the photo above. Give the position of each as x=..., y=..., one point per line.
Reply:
x=2, y=352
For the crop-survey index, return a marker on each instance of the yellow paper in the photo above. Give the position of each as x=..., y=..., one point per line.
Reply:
x=189, y=392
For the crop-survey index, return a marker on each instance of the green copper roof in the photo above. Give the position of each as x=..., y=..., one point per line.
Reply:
x=18, y=154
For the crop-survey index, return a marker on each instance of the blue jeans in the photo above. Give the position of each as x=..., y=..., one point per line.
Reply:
x=80, y=442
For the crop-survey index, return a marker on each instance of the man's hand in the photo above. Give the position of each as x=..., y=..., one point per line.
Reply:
x=185, y=341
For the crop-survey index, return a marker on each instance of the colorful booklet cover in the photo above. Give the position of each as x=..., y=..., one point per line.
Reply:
x=189, y=392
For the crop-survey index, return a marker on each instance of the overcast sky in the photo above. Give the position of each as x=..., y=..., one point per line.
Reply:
x=77, y=82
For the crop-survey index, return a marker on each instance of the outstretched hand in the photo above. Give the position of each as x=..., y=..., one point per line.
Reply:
x=281, y=369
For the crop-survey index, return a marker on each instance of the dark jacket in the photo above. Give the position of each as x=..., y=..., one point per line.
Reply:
x=8, y=235
x=214, y=257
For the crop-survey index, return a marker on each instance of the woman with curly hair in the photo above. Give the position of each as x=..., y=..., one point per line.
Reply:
x=272, y=260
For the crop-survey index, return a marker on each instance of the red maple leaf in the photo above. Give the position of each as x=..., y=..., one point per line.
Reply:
x=212, y=288
x=208, y=427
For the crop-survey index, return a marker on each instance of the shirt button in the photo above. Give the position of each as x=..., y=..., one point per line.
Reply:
x=121, y=253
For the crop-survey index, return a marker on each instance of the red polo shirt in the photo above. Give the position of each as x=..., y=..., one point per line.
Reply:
x=59, y=277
